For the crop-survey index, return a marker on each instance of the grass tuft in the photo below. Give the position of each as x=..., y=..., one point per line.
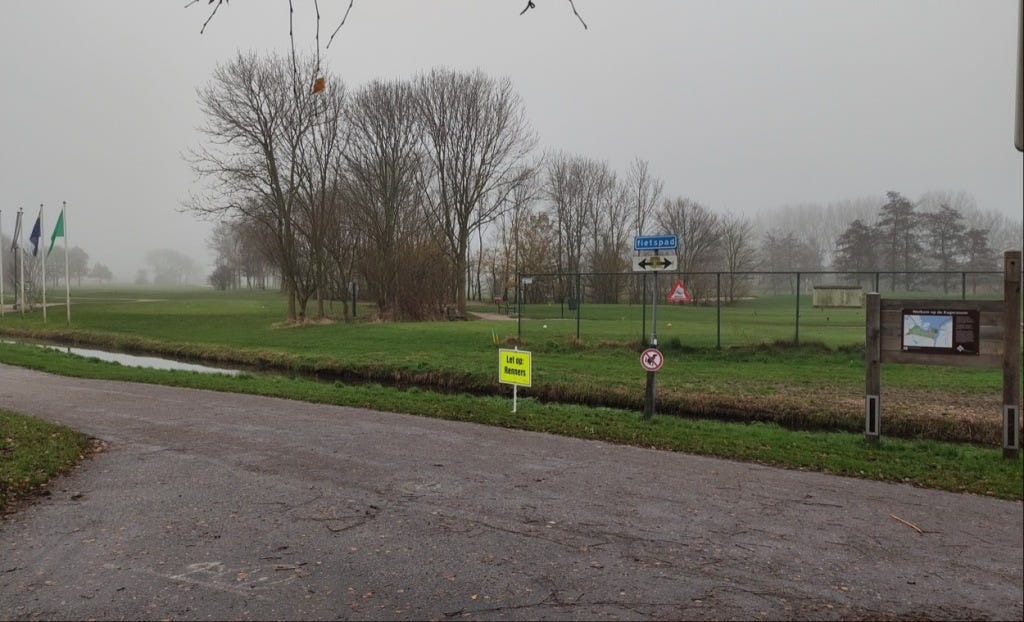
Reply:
x=32, y=451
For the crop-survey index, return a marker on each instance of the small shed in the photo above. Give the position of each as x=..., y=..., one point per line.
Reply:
x=828, y=296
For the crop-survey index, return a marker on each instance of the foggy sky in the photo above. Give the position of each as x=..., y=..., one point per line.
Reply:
x=743, y=106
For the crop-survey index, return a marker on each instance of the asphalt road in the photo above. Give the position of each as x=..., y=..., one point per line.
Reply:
x=210, y=505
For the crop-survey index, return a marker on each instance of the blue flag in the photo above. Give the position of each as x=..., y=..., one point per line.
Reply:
x=34, y=237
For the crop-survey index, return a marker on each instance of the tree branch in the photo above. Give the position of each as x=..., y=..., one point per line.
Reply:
x=576, y=13
x=212, y=13
x=329, y=41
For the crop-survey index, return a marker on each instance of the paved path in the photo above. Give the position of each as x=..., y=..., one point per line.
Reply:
x=211, y=505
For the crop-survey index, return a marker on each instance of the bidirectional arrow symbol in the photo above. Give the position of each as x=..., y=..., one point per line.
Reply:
x=654, y=262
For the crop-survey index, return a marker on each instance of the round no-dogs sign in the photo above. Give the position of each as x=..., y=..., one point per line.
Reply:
x=651, y=359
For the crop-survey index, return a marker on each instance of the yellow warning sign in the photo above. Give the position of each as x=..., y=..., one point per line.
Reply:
x=515, y=367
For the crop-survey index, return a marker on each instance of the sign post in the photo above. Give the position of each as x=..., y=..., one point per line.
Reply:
x=653, y=263
x=515, y=367
x=961, y=333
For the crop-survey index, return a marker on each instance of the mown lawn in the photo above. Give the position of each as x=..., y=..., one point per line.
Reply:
x=818, y=385
x=959, y=467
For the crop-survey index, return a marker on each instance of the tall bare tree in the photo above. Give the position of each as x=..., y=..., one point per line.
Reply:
x=738, y=255
x=510, y=226
x=644, y=191
x=699, y=232
x=477, y=138
x=382, y=165
x=784, y=251
x=170, y=267
x=566, y=178
x=321, y=149
x=259, y=114
x=610, y=232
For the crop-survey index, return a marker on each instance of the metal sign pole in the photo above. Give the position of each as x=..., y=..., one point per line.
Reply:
x=519, y=308
x=649, y=394
x=651, y=359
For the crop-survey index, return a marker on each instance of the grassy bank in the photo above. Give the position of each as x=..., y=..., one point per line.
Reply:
x=32, y=451
x=948, y=466
x=810, y=387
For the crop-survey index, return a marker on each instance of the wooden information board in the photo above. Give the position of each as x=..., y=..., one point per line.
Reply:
x=971, y=333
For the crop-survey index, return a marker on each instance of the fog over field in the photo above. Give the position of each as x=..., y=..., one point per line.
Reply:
x=746, y=107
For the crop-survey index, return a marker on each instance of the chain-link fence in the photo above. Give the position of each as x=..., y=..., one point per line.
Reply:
x=725, y=308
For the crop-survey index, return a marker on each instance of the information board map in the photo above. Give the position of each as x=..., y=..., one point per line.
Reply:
x=940, y=331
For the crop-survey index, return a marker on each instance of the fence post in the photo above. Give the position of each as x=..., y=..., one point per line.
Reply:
x=579, y=303
x=718, y=310
x=963, y=286
x=796, y=336
x=643, y=308
x=519, y=309
x=872, y=371
x=1011, y=353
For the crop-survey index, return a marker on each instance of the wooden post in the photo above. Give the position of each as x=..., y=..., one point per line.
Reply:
x=872, y=372
x=1011, y=354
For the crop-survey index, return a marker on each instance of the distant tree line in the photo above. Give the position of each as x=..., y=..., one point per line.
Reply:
x=167, y=267
x=78, y=269
x=429, y=191
x=907, y=238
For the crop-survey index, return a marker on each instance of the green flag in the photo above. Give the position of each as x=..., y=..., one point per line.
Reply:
x=58, y=232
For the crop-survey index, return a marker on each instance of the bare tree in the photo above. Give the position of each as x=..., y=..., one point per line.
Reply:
x=215, y=5
x=382, y=165
x=699, y=232
x=572, y=184
x=259, y=114
x=101, y=273
x=784, y=251
x=738, y=254
x=510, y=225
x=170, y=267
x=321, y=150
x=610, y=232
x=225, y=244
x=1004, y=233
x=477, y=139
x=256, y=246
x=820, y=225
x=644, y=194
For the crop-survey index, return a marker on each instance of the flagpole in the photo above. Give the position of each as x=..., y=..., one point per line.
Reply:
x=21, y=265
x=67, y=273
x=42, y=257
x=2, y=264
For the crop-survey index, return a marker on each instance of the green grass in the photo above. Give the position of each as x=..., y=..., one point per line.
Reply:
x=32, y=451
x=949, y=466
x=816, y=386
x=764, y=400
